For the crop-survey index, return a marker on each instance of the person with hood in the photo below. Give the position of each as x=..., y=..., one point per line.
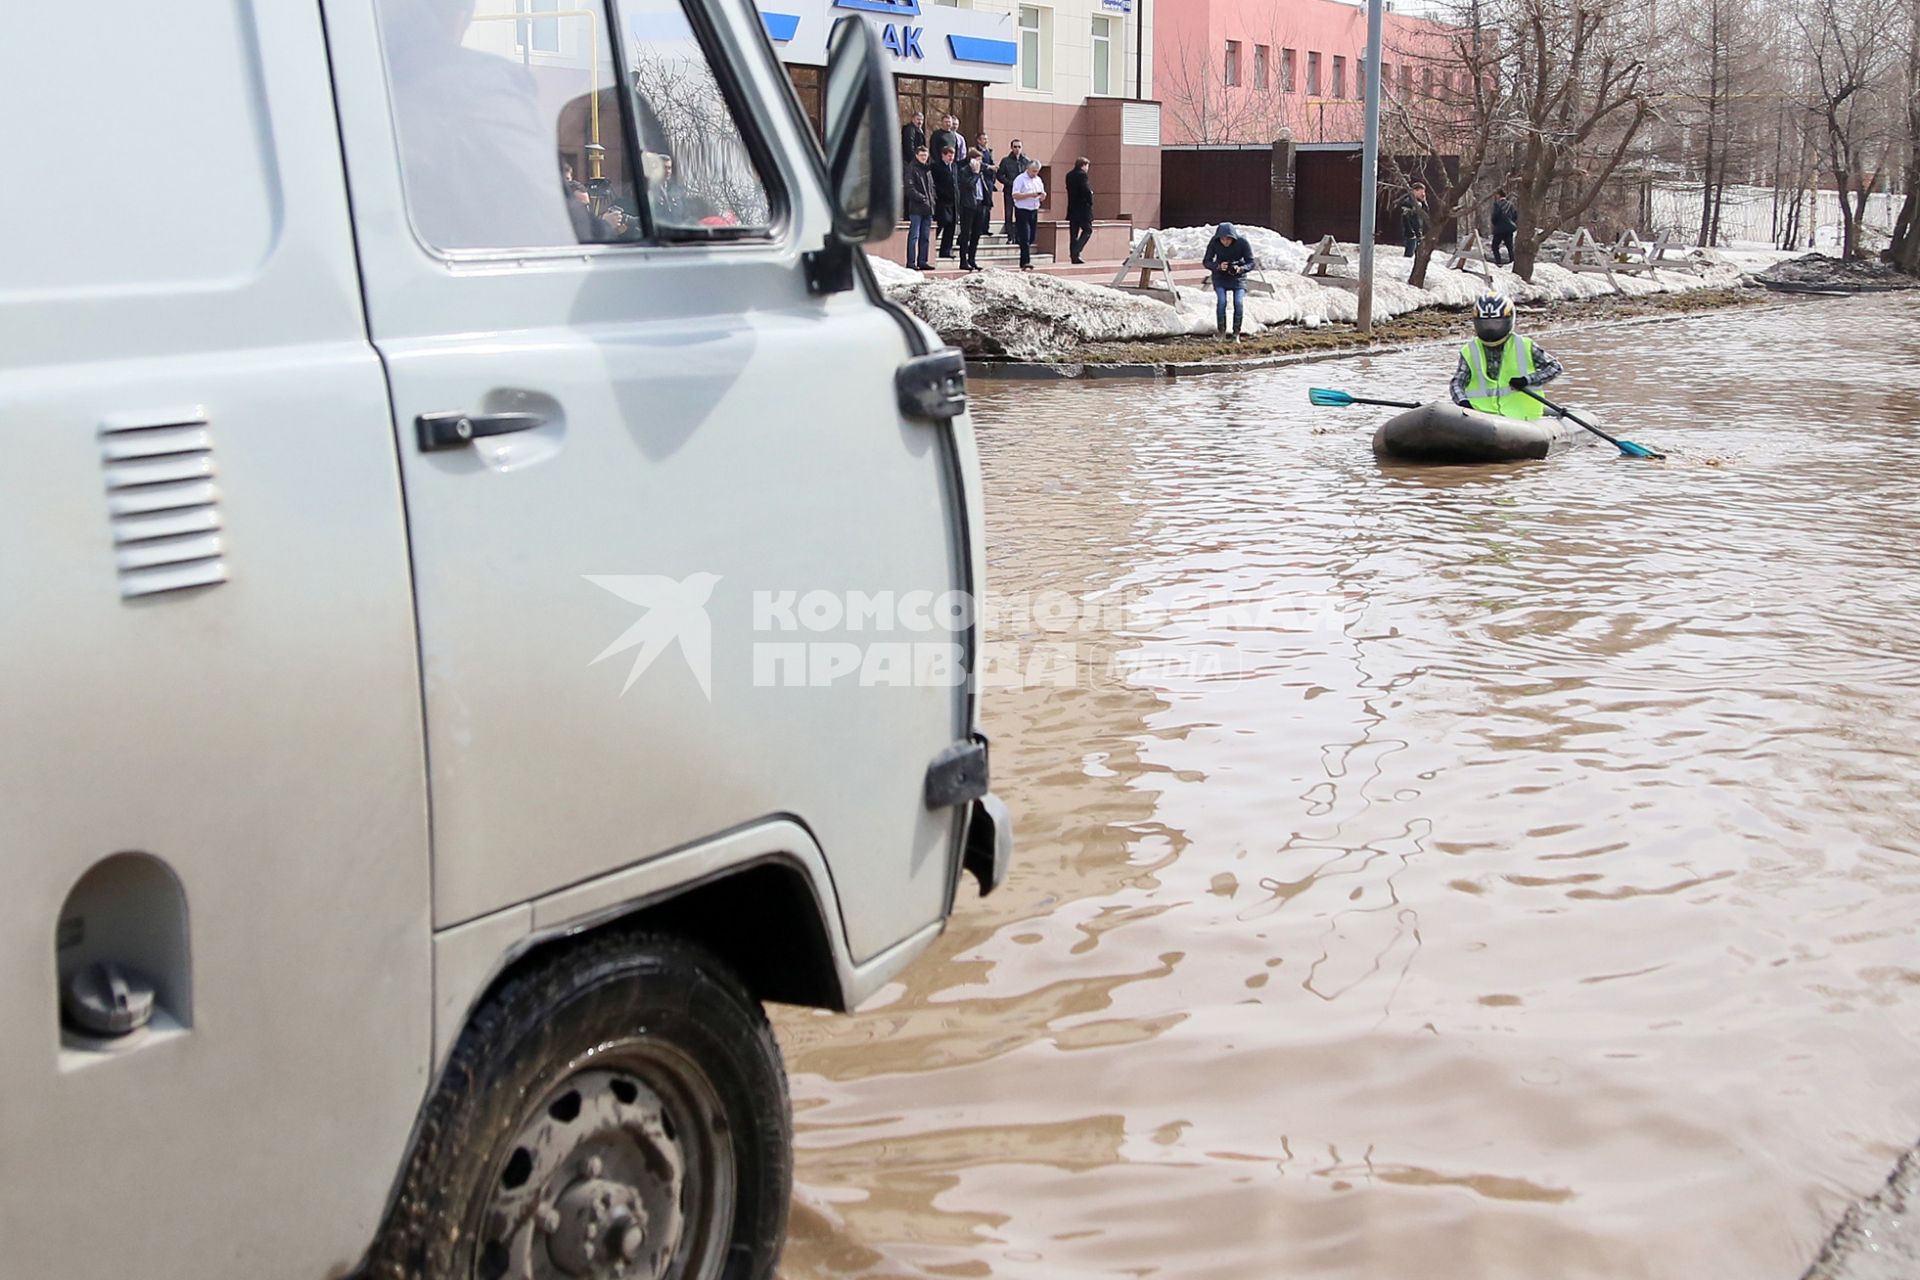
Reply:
x=1497, y=365
x=946, y=184
x=1229, y=257
x=920, y=206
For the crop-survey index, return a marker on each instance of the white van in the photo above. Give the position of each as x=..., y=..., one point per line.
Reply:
x=484, y=608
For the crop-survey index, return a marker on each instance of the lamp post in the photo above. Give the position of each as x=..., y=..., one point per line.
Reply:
x=1370, y=167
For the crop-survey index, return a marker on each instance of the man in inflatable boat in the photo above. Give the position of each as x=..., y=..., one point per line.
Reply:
x=1496, y=363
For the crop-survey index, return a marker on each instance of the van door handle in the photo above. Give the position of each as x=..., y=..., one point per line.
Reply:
x=454, y=430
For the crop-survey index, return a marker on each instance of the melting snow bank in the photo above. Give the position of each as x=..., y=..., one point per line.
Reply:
x=1033, y=316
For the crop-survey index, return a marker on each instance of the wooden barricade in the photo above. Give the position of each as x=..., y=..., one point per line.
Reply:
x=1324, y=255
x=1585, y=254
x=1472, y=252
x=1148, y=258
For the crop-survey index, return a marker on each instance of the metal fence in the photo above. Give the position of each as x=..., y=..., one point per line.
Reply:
x=1757, y=215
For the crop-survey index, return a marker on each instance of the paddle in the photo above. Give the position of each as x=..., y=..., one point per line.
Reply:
x=1339, y=399
x=1627, y=447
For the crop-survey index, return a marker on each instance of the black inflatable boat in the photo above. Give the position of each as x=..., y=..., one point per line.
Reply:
x=1445, y=432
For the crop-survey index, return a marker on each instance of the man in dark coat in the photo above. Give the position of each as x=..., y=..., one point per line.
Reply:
x=1012, y=165
x=987, y=163
x=920, y=206
x=945, y=199
x=1228, y=260
x=975, y=191
x=1079, y=208
x=1506, y=221
x=1413, y=217
x=948, y=135
x=913, y=136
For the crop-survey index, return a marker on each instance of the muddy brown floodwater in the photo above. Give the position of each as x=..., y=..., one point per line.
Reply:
x=1478, y=873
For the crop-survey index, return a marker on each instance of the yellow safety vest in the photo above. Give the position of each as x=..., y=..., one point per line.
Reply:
x=1493, y=395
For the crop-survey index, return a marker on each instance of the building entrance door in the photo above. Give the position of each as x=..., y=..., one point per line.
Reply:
x=940, y=98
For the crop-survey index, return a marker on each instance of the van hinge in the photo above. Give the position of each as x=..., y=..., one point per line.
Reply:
x=829, y=268
x=933, y=386
x=958, y=774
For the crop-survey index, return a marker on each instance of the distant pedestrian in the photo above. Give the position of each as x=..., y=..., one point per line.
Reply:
x=1506, y=221
x=1229, y=258
x=945, y=197
x=920, y=206
x=987, y=162
x=1012, y=165
x=913, y=135
x=1413, y=217
x=1029, y=192
x=1079, y=208
x=976, y=209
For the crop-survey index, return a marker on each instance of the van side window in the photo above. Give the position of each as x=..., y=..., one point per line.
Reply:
x=699, y=176
x=510, y=132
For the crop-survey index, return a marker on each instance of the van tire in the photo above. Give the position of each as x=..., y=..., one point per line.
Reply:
x=612, y=1010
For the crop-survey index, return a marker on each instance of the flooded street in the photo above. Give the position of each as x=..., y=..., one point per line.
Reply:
x=1454, y=873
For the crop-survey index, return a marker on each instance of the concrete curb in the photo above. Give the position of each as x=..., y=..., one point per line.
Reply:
x=1046, y=371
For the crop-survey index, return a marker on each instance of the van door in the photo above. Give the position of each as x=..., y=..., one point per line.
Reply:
x=678, y=555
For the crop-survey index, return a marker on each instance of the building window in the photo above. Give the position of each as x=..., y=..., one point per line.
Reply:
x=1313, y=74
x=1032, y=48
x=1233, y=63
x=1386, y=78
x=540, y=35
x=1359, y=77
x=1339, y=76
x=1102, y=55
x=1406, y=79
x=1260, y=67
x=1426, y=81
x=1286, y=71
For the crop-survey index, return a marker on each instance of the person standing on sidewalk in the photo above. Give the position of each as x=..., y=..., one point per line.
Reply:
x=976, y=209
x=1079, y=209
x=913, y=136
x=988, y=167
x=920, y=206
x=1012, y=165
x=1506, y=221
x=1029, y=193
x=945, y=197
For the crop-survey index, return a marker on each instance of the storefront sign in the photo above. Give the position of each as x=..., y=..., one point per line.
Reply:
x=939, y=41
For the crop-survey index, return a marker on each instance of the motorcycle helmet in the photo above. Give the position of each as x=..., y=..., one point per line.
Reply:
x=1493, y=318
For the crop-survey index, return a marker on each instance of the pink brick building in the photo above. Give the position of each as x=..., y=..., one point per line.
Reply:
x=1246, y=71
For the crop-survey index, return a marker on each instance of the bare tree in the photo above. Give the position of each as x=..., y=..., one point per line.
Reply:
x=1904, y=252
x=1552, y=92
x=1852, y=47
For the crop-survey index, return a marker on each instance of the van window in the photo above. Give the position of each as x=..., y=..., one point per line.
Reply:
x=510, y=133
x=699, y=175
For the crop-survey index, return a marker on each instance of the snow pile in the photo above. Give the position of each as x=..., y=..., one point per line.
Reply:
x=1271, y=250
x=1034, y=316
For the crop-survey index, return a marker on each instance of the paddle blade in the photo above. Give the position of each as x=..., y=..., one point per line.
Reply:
x=1632, y=450
x=1328, y=399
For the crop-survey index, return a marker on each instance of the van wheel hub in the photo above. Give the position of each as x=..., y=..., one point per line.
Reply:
x=608, y=1179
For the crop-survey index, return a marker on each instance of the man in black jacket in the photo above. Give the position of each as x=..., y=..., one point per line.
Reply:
x=987, y=164
x=913, y=136
x=948, y=135
x=945, y=197
x=1079, y=209
x=1012, y=165
x=920, y=206
x=975, y=191
x=1413, y=217
x=1506, y=221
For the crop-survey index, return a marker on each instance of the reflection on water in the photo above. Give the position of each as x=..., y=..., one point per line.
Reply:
x=1489, y=872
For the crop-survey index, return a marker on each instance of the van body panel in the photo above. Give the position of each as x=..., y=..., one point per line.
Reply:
x=258, y=735
x=714, y=438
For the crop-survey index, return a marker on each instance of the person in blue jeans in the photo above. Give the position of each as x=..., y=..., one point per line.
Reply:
x=1229, y=258
x=920, y=198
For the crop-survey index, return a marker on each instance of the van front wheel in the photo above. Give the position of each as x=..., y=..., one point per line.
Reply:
x=618, y=1111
